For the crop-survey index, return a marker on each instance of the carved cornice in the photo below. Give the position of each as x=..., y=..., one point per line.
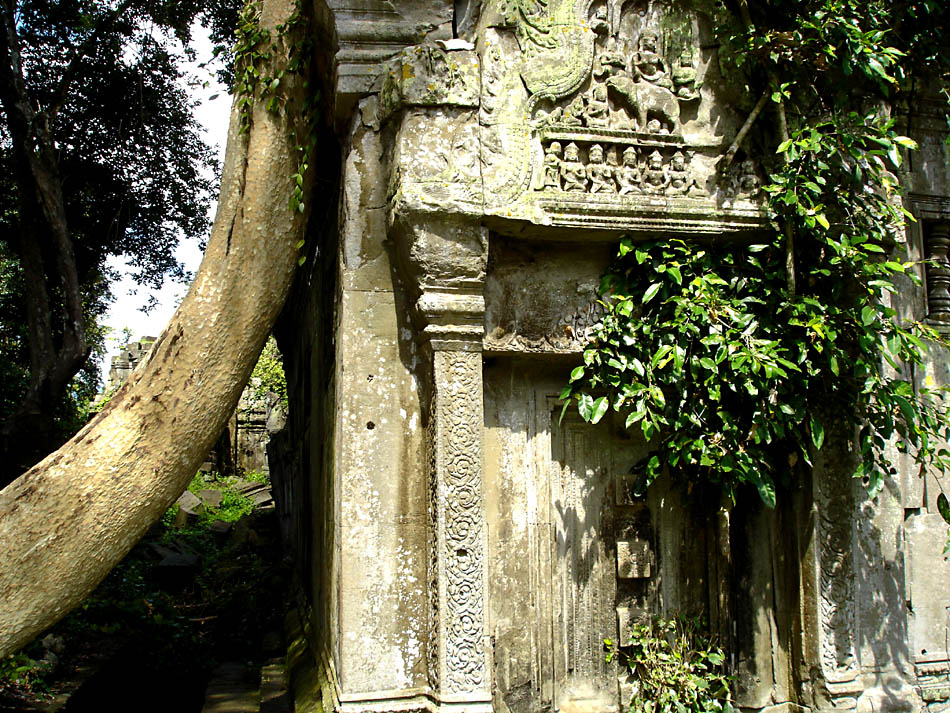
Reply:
x=929, y=207
x=364, y=34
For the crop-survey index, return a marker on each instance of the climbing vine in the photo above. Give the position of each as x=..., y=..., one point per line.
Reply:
x=735, y=360
x=256, y=81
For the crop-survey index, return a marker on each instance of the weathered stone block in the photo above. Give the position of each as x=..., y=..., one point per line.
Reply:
x=210, y=497
x=634, y=559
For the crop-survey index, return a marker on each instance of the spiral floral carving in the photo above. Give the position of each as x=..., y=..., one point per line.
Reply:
x=457, y=476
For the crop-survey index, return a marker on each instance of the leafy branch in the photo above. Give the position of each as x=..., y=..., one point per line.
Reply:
x=676, y=668
x=735, y=360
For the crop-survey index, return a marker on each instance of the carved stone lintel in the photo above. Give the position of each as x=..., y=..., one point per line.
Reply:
x=938, y=272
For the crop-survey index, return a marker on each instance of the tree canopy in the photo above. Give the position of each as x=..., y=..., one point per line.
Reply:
x=101, y=156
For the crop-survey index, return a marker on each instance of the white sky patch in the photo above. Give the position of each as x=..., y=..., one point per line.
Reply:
x=125, y=311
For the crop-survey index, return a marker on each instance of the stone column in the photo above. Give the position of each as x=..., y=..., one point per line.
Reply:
x=938, y=272
x=447, y=261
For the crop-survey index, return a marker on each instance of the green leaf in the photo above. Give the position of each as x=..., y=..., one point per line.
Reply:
x=651, y=292
x=599, y=408
x=585, y=406
x=766, y=489
x=577, y=373
x=817, y=432
x=868, y=315
x=943, y=507
x=635, y=416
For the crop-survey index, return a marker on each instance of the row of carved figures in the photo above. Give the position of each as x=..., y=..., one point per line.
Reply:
x=601, y=173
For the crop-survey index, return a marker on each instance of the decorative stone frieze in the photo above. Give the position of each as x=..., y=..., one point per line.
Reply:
x=587, y=116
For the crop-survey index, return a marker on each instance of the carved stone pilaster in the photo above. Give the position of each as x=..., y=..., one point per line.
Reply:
x=445, y=262
x=938, y=272
x=837, y=618
x=836, y=580
x=459, y=536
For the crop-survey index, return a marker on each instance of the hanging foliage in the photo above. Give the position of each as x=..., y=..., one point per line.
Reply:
x=734, y=359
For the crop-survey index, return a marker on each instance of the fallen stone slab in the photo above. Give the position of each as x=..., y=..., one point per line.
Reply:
x=191, y=501
x=211, y=498
x=220, y=527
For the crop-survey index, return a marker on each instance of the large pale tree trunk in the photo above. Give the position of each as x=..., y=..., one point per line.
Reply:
x=67, y=521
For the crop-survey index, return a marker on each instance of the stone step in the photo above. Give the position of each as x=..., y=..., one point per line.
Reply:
x=232, y=689
x=275, y=696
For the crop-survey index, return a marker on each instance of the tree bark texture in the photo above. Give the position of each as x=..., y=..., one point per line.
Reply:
x=70, y=519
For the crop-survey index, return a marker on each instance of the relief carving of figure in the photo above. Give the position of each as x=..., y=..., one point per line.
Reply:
x=645, y=88
x=597, y=113
x=655, y=126
x=601, y=175
x=647, y=64
x=748, y=182
x=656, y=178
x=573, y=172
x=681, y=182
x=611, y=61
x=552, y=167
x=628, y=175
x=684, y=78
x=644, y=99
x=599, y=22
x=573, y=114
x=491, y=80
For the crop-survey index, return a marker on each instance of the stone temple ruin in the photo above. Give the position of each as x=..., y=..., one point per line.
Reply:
x=242, y=445
x=460, y=549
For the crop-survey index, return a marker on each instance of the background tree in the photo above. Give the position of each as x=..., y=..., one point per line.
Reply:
x=101, y=156
x=71, y=518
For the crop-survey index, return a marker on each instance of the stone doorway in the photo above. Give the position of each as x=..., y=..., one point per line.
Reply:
x=555, y=514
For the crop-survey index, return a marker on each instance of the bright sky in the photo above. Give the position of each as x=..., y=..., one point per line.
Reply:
x=212, y=114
